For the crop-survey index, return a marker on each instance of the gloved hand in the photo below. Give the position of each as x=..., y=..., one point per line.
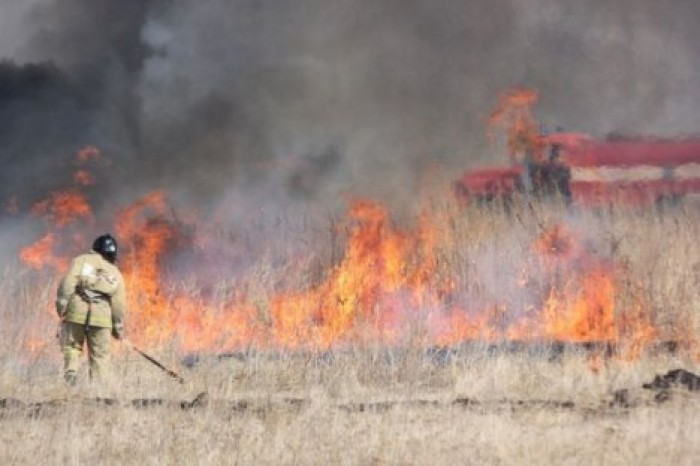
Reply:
x=61, y=307
x=118, y=333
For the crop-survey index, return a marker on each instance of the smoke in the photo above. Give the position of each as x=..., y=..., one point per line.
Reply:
x=299, y=101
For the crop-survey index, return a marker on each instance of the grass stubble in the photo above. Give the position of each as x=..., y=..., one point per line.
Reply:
x=373, y=405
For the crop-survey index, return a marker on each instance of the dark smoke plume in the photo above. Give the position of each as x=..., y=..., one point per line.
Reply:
x=306, y=99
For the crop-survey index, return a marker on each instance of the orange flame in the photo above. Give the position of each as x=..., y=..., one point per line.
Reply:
x=143, y=228
x=60, y=209
x=83, y=178
x=373, y=268
x=514, y=113
x=87, y=154
x=63, y=208
x=387, y=288
x=41, y=255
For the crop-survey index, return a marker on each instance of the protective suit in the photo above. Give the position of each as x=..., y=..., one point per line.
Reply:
x=91, y=302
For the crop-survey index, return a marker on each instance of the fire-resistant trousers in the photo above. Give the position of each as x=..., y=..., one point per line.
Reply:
x=73, y=337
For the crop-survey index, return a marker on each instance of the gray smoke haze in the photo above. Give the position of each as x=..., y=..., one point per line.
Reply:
x=307, y=99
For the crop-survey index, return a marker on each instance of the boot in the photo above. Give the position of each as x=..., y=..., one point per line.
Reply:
x=71, y=379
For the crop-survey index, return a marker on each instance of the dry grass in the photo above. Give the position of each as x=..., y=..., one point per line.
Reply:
x=509, y=409
x=374, y=405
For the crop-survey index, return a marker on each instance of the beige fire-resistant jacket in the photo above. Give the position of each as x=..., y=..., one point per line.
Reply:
x=96, y=285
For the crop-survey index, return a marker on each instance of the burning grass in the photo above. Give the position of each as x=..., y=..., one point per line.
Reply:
x=536, y=273
x=446, y=277
x=420, y=341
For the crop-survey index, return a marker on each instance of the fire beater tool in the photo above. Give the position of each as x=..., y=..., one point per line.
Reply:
x=155, y=362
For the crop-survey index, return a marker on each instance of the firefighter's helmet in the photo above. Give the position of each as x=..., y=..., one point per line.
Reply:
x=106, y=246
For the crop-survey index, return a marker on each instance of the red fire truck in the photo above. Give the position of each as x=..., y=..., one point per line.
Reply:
x=583, y=170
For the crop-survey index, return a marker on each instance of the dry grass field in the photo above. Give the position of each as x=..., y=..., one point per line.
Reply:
x=482, y=402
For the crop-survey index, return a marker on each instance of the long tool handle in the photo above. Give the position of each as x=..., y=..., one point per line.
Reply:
x=156, y=363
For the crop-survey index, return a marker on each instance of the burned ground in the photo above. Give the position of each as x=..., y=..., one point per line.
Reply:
x=666, y=388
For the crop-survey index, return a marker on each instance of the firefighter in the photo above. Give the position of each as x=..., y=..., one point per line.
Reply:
x=91, y=303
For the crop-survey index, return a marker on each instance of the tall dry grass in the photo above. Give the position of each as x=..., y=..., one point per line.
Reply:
x=374, y=405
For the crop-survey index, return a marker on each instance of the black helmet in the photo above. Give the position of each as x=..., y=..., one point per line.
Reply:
x=106, y=246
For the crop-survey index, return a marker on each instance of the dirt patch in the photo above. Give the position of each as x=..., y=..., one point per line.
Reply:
x=677, y=378
x=672, y=382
